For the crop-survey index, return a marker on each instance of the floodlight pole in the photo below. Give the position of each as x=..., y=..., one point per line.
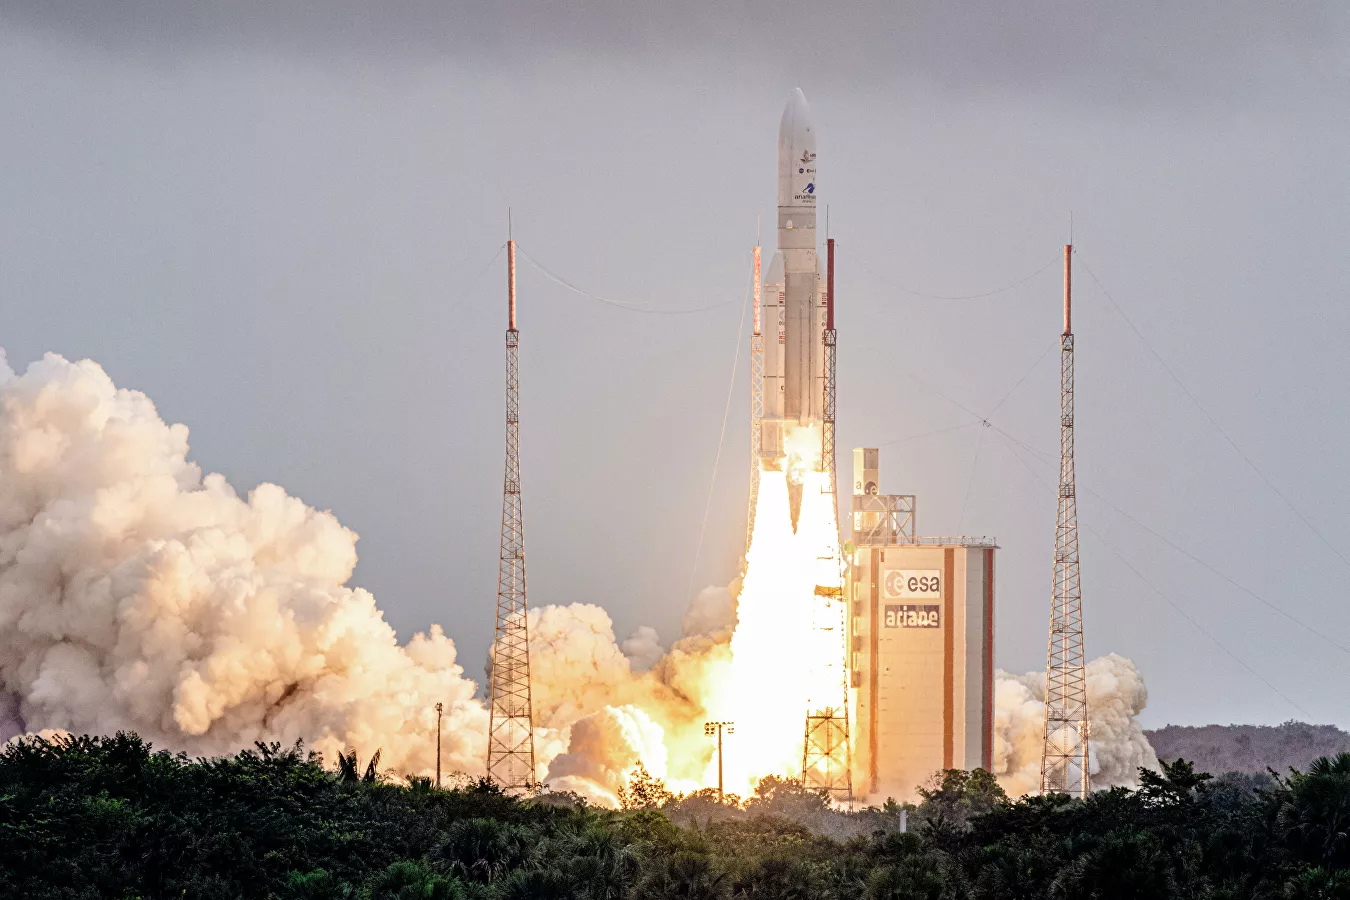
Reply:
x=439, y=708
x=711, y=728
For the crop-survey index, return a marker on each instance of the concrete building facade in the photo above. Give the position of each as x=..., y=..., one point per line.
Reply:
x=921, y=631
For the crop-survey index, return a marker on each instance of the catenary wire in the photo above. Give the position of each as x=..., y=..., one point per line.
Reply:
x=562, y=282
x=1025, y=375
x=1187, y=616
x=490, y=263
x=984, y=420
x=1045, y=458
x=955, y=297
x=924, y=434
x=974, y=464
x=717, y=459
x=1049, y=459
x=1212, y=421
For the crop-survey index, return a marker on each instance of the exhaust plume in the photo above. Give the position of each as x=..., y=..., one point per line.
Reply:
x=1117, y=749
x=138, y=594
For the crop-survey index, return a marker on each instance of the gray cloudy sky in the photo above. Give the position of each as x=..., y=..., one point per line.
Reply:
x=280, y=221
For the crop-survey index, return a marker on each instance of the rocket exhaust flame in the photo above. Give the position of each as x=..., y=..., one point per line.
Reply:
x=765, y=690
x=788, y=644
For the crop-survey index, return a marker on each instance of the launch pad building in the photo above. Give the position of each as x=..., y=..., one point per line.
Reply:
x=921, y=654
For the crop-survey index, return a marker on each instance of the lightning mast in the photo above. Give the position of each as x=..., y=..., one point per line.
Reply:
x=756, y=403
x=827, y=753
x=1064, y=762
x=510, y=760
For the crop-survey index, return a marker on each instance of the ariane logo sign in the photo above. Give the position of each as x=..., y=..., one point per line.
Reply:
x=914, y=615
x=810, y=188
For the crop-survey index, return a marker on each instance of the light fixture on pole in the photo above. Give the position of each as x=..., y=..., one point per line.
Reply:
x=711, y=728
x=439, y=708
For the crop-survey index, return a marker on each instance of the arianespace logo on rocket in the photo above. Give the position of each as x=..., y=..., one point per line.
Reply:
x=806, y=166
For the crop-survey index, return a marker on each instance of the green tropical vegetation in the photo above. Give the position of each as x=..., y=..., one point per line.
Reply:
x=94, y=817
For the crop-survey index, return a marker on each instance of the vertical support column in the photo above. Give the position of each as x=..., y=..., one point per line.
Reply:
x=510, y=760
x=948, y=658
x=827, y=749
x=1064, y=760
x=510, y=285
x=830, y=337
x=987, y=681
x=873, y=665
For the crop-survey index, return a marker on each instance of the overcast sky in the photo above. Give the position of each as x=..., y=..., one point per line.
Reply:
x=282, y=221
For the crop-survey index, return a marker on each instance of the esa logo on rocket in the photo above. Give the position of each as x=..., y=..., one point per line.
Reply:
x=808, y=169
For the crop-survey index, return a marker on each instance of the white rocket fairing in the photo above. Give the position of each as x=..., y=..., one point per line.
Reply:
x=793, y=295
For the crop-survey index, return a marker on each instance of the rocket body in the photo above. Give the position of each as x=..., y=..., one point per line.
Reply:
x=793, y=294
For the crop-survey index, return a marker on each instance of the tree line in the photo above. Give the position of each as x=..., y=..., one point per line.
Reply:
x=95, y=817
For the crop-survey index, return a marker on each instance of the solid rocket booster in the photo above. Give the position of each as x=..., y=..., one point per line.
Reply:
x=793, y=297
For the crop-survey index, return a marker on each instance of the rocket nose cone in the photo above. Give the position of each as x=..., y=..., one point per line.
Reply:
x=796, y=155
x=796, y=114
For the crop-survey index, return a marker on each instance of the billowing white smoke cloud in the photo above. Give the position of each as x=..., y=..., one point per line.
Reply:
x=600, y=715
x=137, y=594
x=643, y=648
x=1118, y=748
x=713, y=611
x=603, y=750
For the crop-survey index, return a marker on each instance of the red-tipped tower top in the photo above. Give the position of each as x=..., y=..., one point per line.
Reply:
x=757, y=287
x=511, y=285
x=829, y=284
x=1068, y=288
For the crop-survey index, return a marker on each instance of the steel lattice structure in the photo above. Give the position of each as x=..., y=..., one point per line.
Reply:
x=1064, y=762
x=827, y=752
x=510, y=760
x=756, y=405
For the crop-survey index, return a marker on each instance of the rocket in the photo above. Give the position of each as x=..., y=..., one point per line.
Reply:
x=793, y=296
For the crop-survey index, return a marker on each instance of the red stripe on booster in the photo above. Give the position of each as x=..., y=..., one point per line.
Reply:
x=829, y=284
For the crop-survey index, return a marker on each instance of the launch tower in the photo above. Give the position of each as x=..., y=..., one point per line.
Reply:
x=510, y=761
x=1064, y=762
x=827, y=756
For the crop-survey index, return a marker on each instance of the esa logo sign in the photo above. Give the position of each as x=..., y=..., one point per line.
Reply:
x=902, y=584
x=913, y=615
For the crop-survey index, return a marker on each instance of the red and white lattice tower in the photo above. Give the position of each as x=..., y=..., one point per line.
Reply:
x=827, y=752
x=510, y=760
x=1064, y=762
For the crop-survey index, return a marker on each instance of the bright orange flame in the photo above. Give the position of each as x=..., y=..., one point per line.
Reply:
x=783, y=659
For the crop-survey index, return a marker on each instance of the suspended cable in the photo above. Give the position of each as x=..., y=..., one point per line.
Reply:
x=1148, y=584
x=1214, y=422
x=915, y=437
x=974, y=464
x=490, y=263
x=562, y=282
x=717, y=459
x=979, y=419
x=951, y=297
x=1186, y=553
x=1025, y=376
